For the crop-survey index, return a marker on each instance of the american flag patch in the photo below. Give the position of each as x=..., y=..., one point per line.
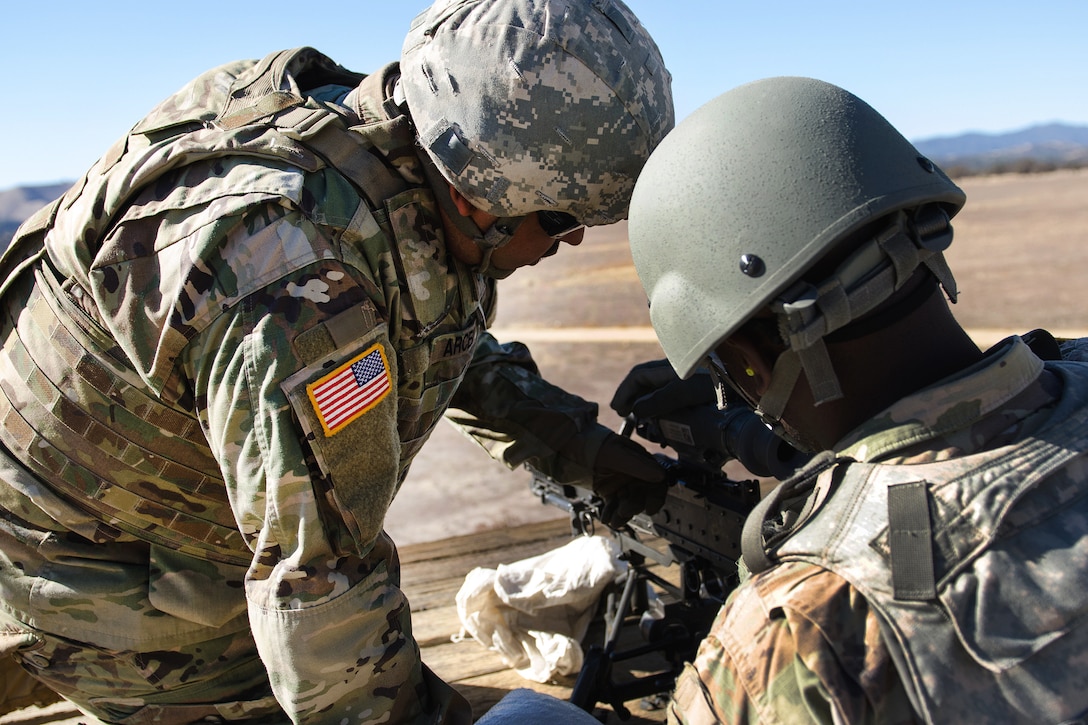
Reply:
x=351, y=390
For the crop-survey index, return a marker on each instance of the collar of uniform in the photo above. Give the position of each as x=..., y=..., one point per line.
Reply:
x=368, y=99
x=947, y=406
x=387, y=127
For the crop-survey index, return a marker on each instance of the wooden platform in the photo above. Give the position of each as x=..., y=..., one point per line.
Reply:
x=432, y=573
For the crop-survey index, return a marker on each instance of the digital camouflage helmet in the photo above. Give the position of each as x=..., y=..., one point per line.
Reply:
x=537, y=105
x=754, y=188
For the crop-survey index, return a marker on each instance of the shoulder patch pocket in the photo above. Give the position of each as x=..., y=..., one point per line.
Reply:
x=343, y=403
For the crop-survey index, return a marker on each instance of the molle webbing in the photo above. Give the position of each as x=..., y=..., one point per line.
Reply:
x=62, y=408
x=69, y=391
x=261, y=95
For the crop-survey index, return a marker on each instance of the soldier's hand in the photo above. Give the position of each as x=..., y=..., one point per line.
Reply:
x=653, y=388
x=629, y=479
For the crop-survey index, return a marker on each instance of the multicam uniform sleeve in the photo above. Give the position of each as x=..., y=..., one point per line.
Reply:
x=326, y=611
x=519, y=417
x=796, y=644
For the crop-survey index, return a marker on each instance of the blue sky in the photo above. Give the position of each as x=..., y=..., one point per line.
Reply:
x=78, y=74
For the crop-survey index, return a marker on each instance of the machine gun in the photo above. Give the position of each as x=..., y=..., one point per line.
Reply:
x=701, y=523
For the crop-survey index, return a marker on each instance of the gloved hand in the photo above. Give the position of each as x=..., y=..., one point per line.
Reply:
x=625, y=474
x=628, y=478
x=653, y=388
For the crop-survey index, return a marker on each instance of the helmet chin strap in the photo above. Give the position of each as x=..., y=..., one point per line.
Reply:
x=487, y=269
x=498, y=235
x=784, y=375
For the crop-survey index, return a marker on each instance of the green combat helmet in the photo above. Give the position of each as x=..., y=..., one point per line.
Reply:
x=537, y=105
x=753, y=189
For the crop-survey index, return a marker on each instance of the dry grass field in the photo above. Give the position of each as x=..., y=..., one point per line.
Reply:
x=1020, y=253
x=1020, y=257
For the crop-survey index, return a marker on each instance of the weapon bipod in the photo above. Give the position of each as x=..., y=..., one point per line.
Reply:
x=673, y=628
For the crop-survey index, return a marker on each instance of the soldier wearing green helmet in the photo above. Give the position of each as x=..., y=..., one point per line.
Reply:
x=225, y=344
x=929, y=564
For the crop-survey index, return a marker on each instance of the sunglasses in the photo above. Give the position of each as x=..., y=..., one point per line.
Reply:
x=557, y=223
x=727, y=389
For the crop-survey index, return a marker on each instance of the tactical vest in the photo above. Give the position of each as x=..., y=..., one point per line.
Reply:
x=102, y=433
x=976, y=566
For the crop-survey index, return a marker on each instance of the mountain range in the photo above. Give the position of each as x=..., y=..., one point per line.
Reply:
x=1038, y=147
x=1056, y=143
x=22, y=201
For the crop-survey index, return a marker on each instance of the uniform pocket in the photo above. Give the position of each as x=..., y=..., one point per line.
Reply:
x=195, y=590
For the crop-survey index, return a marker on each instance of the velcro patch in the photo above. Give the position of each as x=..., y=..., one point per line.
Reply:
x=454, y=345
x=351, y=389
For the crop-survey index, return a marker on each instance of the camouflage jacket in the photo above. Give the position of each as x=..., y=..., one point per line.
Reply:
x=230, y=339
x=935, y=569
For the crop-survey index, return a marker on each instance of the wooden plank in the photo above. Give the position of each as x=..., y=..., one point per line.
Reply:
x=497, y=539
x=417, y=575
x=501, y=682
x=484, y=679
x=421, y=572
x=435, y=626
x=433, y=583
x=456, y=661
x=59, y=713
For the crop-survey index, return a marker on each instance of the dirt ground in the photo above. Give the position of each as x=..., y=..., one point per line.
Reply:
x=1020, y=257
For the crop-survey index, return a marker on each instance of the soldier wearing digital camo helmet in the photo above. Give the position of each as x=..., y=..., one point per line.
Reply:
x=930, y=563
x=225, y=344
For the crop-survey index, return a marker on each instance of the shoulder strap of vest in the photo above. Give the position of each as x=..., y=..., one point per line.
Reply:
x=278, y=81
x=273, y=87
x=754, y=544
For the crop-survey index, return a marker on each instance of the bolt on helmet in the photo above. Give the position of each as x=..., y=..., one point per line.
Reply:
x=753, y=189
x=537, y=105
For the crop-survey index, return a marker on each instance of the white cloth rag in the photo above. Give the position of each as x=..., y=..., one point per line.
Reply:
x=535, y=612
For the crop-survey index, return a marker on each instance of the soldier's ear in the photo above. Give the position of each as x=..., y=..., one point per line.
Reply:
x=464, y=208
x=756, y=364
